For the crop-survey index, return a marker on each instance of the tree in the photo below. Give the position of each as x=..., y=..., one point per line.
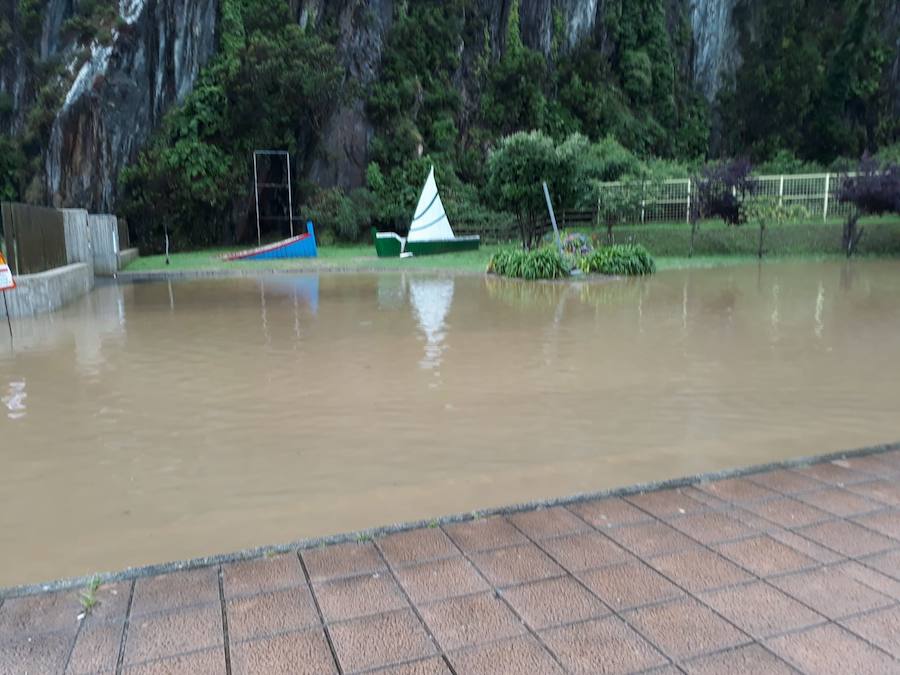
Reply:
x=516, y=170
x=767, y=211
x=720, y=191
x=873, y=190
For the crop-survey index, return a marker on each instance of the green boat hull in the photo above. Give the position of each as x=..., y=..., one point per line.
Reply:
x=389, y=245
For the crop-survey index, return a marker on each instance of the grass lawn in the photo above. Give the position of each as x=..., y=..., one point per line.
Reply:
x=361, y=258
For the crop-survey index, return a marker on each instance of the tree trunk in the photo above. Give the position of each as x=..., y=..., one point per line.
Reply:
x=693, y=234
x=761, y=233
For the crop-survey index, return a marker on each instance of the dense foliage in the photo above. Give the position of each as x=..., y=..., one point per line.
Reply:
x=619, y=260
x=873, y=190
x=271, y=85
x=541, y=263
x=815, y=79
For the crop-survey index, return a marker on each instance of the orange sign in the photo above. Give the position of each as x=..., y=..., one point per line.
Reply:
x=6, y=279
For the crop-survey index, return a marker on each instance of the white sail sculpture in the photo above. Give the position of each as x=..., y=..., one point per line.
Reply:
x=430, y=221
x=429, y=231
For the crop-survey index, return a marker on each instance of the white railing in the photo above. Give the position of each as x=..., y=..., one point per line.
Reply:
x=670, y=200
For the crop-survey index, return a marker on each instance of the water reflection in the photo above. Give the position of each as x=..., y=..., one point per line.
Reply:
x=431, y=300
x=15, y=400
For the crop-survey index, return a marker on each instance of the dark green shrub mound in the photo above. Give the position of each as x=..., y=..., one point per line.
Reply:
x=620, y=259
x=542, y=263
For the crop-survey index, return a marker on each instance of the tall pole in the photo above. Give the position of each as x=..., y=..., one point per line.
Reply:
x=8, y=320
x=256, y=195
x=290, y=203
x=552, y=218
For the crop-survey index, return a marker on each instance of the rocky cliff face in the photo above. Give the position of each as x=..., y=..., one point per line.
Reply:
x=118, y=95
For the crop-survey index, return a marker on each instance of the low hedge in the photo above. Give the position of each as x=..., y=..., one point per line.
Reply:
x=541, y=263
x=619, y=260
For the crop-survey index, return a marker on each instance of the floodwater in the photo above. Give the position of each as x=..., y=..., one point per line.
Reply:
x=159, y=421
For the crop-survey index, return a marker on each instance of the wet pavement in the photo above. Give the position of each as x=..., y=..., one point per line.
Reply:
x=776, y=572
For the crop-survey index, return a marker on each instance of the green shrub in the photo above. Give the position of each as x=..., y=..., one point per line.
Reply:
x=542, y=263
x=345, y=216
x=620, y=260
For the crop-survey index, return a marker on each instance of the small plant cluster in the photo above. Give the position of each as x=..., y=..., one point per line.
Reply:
x=541, y=263
x=573, y=243
x=619, y=260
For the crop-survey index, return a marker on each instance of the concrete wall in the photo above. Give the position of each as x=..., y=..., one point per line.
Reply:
x=105, y=242
x=78, y=238
x=127, y=256
x=48, y=291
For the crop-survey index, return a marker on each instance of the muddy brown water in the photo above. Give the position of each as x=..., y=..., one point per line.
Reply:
x=158, y=421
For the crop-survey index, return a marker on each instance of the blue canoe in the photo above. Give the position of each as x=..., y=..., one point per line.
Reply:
x=302, y=246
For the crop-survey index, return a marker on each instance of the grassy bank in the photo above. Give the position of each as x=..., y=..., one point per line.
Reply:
x=716, y=245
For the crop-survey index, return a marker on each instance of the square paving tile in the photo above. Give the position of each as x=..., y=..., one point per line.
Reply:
x=698, y=569
x=831, y=592
x=884, y=491
x=785, y=481
x=584, y=551
x=554, y=602
x=97, y=647
x=609, y=512
x=871, y=578
x=839, y=501
x=765, y=556
x=510, y=657
x=167, y=634
x=206, y=662
x=712, y=526
x=550, y=522
x=650, y=539
x=43, y=654
x=750, y=660
x=685, y=628
x=886, y=563
x=380, y=640
x=44, y=613
x=470, y=620
x=760, y=610
x=516, y=565
x=881, y=628
x=606, y=645
x=262, y=575
x=483, y=534
x=342, y=560
x=303, y=653
x=343, y=599
x=803, y=545
x=666, y=502
x=847, y=538
x=788, y=512
x=886, y=522
x=178, y=589
x=268, y=613
x=737, y=490
x=831, y=650
x=431, y=666
x=417, y=546
x=441, y=579
x=630, y=584
x=832, y=473
x=874, y=465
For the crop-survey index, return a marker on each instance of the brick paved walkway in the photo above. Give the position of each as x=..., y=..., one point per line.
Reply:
x=790, y=569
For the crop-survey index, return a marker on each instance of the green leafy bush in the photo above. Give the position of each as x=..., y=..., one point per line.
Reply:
x=344, y=216
x=542, y=263
x=619, y=260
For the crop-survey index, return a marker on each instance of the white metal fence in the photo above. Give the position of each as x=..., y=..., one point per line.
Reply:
x=670, y=200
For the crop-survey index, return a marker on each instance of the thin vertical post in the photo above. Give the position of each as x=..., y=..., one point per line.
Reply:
x=8, y=320
x=827, y=189
x=643, y=202
x=290, y=202
x=781, y=191
x=687, y=215
x=552, y=217
x=256, y=195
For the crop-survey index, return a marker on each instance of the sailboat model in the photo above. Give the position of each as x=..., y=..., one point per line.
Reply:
x=429, y=231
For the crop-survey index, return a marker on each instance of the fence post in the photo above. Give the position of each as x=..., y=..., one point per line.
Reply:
x=781, y=192
x=687, y=215
x=643, y=202
x=827, y=188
